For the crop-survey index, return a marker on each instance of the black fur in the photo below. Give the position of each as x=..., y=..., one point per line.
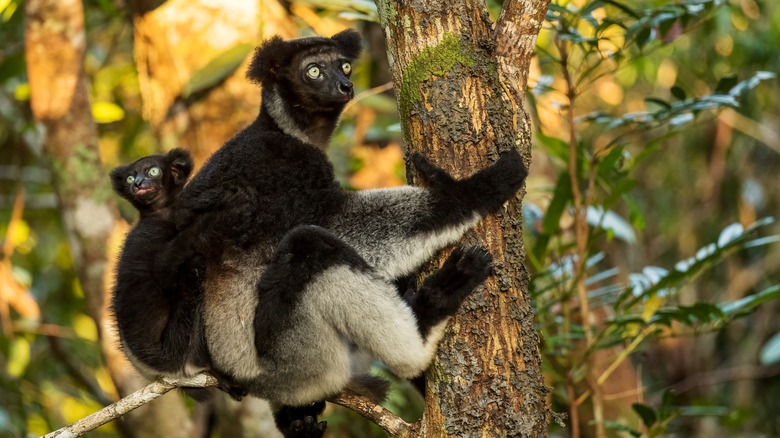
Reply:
x=162, y=342
x=160, y=327
x=273, y=58
x=483, y=192
x=442, y=292
x=301, y=421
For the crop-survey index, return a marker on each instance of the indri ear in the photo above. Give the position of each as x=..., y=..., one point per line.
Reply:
x=118, y=176
x=180, y=163
x=349, y=43
x=267, y=61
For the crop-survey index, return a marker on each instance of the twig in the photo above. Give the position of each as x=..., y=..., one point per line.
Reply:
x=388, y=421
x=385, y=419
x=137, y=399
x=746, y=372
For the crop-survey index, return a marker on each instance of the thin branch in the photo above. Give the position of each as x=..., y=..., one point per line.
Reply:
x=385, y=419
x=135, y=400
x=379, y=89
x=516, y=31
x=717, y=377
x=388, y=421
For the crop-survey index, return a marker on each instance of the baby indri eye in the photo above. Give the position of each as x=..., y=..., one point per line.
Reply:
x=313, y=72
x=346, y=68
x=130, y=179
x=154, y=171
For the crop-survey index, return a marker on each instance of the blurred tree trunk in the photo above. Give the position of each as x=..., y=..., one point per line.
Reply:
x=55, y=43
x=460, y=84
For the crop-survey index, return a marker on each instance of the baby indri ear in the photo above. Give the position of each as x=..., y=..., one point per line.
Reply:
x=180, y=163
x=118, y=175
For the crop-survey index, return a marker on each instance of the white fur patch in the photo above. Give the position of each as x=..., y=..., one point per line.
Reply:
x=230, y=302
x=278, y=112
x=368, y=311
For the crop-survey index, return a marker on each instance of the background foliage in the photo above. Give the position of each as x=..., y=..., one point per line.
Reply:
x=649, y=213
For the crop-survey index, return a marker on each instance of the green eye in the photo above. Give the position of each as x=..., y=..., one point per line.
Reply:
x=130, y=179
x=346, y=68
x=154, y=171
x=313, y=72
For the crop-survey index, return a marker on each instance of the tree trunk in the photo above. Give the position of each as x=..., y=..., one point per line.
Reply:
x=55, y=43
x=460, y=88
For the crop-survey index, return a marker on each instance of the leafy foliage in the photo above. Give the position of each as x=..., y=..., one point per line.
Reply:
x=612, y=70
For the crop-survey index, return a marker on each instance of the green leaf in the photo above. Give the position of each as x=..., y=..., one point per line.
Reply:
x=658, y=101
x=681, y=119
x=614, y=425
x=704, y=411
x=685, y=270
x=561, y=198
x=678, y=92
x=611, y=222
x=726, y=83
x=751, y=83
x=555, y=146
x=623, y=8
x=645, y=37
x=219, y=68
x=607, y=165
x=634, y=212
x=646, y=413
x=749, y=303
x=18, y=357
x=12, y=65
x=770, y=352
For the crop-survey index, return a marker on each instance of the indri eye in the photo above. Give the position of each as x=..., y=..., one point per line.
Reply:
x=154, y=171
x=346, y=68
x=130, y=179
x=313, y=72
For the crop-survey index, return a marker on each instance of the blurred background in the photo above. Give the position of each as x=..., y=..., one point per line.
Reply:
x=658, y=119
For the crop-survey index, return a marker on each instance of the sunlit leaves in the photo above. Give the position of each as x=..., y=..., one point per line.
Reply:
x=107, y=112
x=18, y=357
x=687, y=269
x=751, y=83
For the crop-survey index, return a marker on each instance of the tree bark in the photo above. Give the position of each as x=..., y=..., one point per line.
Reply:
x=460, y=88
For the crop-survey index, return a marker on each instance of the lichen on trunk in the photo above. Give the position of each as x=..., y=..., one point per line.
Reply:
x=458, y=107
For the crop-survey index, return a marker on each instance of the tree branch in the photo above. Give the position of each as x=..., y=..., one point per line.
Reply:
x=388, y=421
x=516, y=32
x=135, y=400
x=385, y=419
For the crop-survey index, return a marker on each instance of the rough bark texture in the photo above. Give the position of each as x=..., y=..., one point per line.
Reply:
x=460, y=88
x=55, y=42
